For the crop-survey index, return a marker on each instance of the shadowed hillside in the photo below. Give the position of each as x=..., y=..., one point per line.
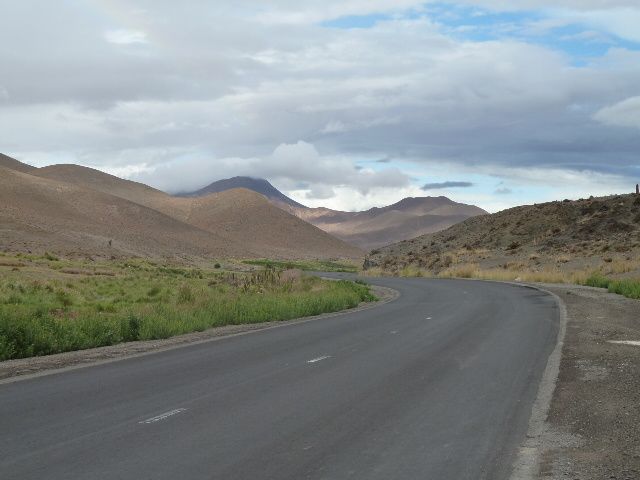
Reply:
x=258, y=185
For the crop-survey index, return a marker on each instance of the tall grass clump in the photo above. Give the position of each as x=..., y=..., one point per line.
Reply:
x=629, y=288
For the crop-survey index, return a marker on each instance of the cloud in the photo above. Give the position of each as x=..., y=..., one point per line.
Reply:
x=270, y=92
x=125, y=37
x=441, y=185
x=622, y=114
x=289, y=166
x=503, y=191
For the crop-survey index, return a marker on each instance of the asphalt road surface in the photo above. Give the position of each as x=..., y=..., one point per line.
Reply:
x=437, y=384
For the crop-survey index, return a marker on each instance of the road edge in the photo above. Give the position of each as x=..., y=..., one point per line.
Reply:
x=172, y=343
x=527, y=463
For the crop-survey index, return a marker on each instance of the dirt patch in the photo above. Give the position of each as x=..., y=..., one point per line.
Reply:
x=593, y=425
x=51, y=363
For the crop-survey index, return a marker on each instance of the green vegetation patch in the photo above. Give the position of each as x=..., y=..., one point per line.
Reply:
x=44, y=310
x=310, y=265
x=629, y=288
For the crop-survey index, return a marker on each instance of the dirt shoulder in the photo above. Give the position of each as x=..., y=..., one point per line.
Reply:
x=26, y=367
x=593, y=426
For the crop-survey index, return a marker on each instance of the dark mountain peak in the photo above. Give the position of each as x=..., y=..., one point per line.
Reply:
x=259, y=185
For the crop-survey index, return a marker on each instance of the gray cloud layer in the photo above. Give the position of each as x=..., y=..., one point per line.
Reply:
x=179, y=96
x=436, y=186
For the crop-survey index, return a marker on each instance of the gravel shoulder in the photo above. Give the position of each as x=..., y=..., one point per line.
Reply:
x=593, y=426
x=12, y=370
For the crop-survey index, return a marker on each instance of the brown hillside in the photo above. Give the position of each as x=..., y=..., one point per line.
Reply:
x=251, y=219
x=405, y=219
x=103, y=182
x=598, y=233
x=376, y=227
x=13, y=164
x=243, y=223
x=42, y=214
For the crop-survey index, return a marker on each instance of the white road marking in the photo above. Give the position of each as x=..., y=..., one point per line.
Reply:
x=319, y=359
x=428, y=318
x=163, y=416
x=635, y=343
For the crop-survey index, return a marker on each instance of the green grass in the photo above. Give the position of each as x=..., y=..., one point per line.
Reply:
x=311, y=265
x=629, y=288
x=44, y=310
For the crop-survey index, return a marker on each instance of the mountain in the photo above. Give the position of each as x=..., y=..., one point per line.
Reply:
x=577, y=236
x=405, y=219
x=373, y=228
x=103, y=182
x=39, y=214
x=13, y=164
x=256, y=184
x=77, y=210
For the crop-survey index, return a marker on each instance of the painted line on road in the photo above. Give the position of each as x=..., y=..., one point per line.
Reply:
x=635, y=343
x=163, y=416
x=319, y=359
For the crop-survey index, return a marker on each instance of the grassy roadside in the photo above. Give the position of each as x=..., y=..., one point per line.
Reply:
x=48, y=305
x=629, y=288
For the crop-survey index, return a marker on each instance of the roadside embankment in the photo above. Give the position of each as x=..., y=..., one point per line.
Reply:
x=592, y=429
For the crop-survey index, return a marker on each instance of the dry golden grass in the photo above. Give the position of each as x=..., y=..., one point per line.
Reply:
x=547, y=275
x=619, y=266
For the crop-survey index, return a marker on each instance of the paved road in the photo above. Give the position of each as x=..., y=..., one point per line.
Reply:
x=435, y=385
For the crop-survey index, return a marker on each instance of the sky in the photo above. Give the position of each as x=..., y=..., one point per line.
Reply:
x=339, y=103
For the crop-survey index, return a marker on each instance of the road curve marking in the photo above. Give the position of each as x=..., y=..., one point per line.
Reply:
x=319, y=359
x=163, y=416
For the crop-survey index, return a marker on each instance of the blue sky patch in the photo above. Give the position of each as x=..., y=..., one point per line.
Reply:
x=579, y=42
x=356, y=21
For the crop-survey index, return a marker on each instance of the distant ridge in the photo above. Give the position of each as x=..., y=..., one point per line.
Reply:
x=258, y=185
x=376, y=227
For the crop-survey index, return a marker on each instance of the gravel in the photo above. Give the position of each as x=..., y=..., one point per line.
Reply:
x=593, y=425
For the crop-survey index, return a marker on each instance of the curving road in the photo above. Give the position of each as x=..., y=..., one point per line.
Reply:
x=437, y=384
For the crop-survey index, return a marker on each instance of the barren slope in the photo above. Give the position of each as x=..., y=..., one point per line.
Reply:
x=376, y=227
x=42, y=214
x=250, y=218
x=103, y=182
x=572, y=235
x=406, y=219
x=243, y=223
x=13, y=164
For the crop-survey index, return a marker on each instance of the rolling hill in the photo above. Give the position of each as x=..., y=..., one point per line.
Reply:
x=373, y=228
x=74, y=209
